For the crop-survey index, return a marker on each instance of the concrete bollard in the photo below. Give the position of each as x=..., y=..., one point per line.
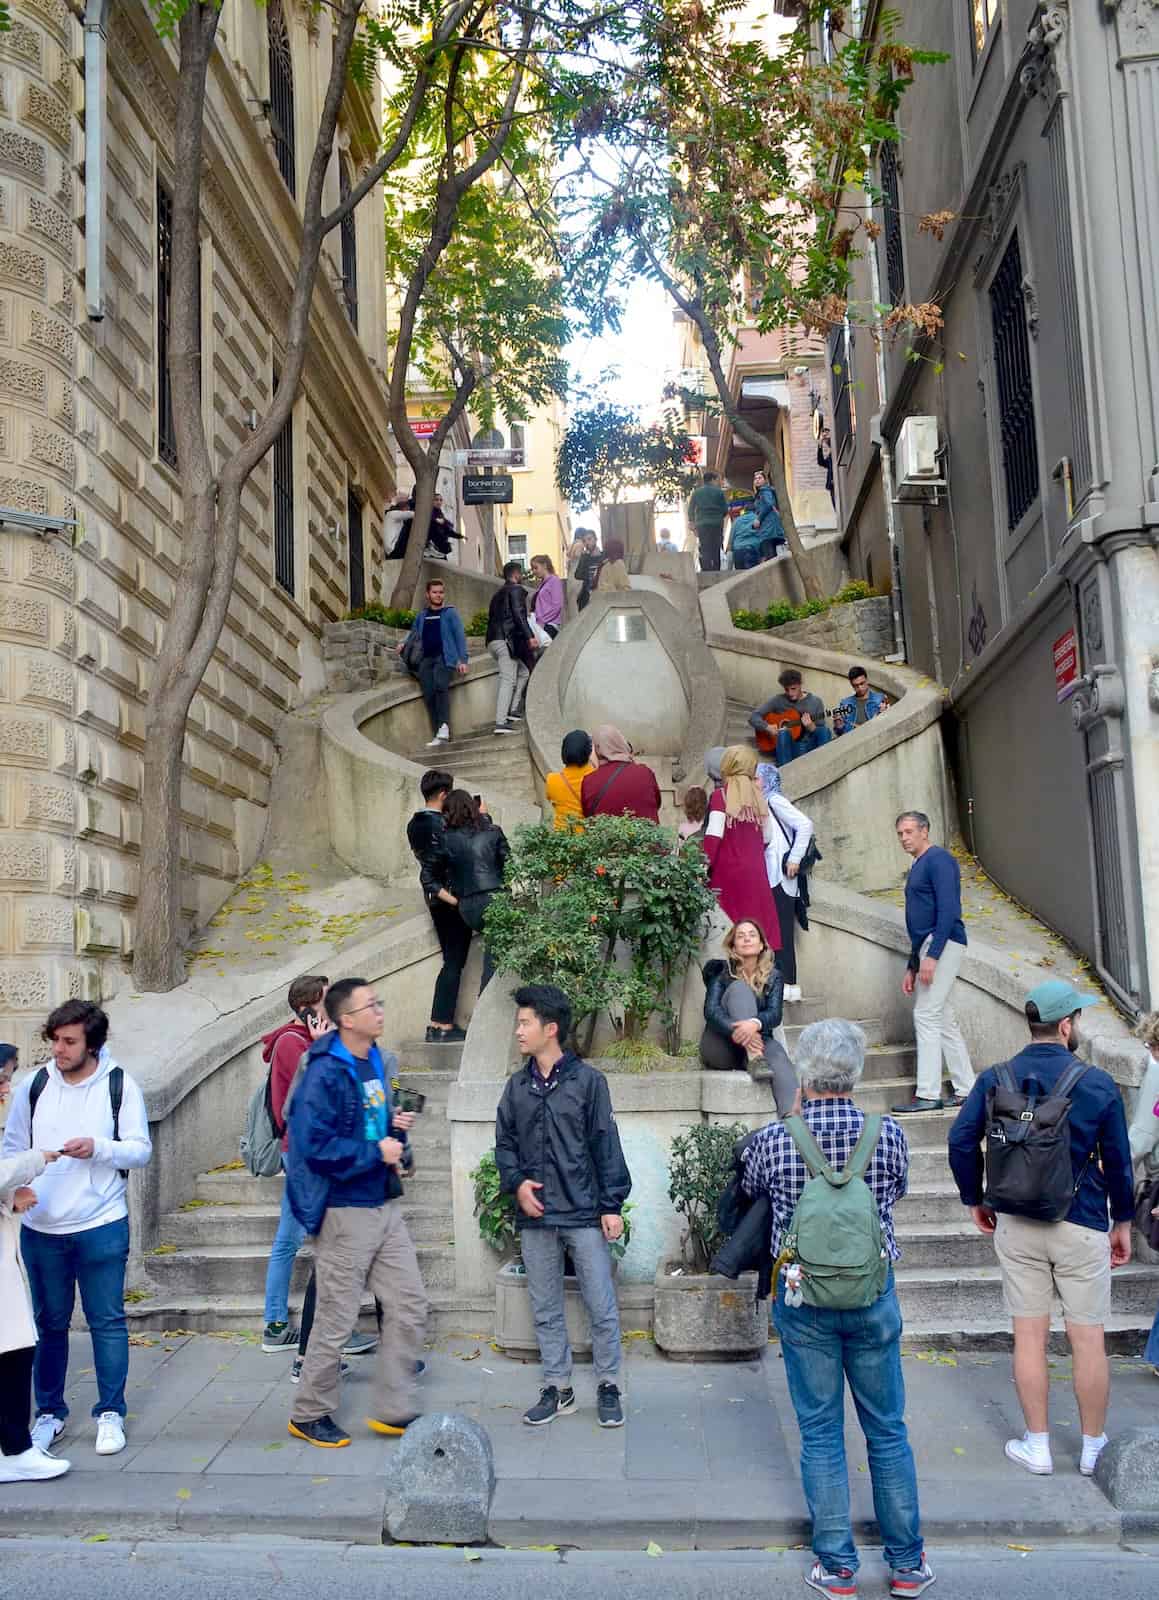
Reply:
x=440, y=1482
x=1128, y=1471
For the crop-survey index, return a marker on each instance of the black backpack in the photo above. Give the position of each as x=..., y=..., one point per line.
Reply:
x=1029, y=1172
x=116, y=1095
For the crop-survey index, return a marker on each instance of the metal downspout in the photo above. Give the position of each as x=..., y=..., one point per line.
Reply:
x=887, y=473
x=96, y=115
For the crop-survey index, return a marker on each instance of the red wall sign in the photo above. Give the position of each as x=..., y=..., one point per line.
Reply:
x=1066, y=664
x=423, y=427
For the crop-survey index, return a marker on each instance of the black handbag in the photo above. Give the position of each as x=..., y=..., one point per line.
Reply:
x=412, y=652
x=1146, y=1200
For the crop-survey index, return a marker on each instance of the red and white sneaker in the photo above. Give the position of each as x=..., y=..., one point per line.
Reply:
x=842, y=1584
x=907, y=1581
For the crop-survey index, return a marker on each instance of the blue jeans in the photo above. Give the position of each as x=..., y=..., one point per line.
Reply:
x=788, y=749
x=283, y=1252
x=57, y=1264
x=822, y=1349
x=542, y=1251
x=1151, y=1353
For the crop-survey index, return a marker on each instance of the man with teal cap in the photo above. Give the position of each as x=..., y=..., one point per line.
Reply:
x=1072, y=1258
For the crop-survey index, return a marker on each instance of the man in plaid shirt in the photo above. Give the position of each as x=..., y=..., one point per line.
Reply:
x=823, y=1348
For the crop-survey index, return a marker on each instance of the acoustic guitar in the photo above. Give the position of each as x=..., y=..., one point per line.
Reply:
x=790, y=719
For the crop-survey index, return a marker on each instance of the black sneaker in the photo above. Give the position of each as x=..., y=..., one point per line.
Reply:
x=279, y=1336
x=323, y=1433
x=916, y=1104
x=446, y=1035
x=360, y=1344
x=609, y=1411
x=552, y=1403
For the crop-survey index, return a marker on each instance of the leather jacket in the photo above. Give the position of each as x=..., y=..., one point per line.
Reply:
x=475, y=860
x=770, y=1003
x=507, y=618
x=426, y=835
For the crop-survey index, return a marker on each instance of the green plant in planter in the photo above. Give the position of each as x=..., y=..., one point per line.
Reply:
x=389, y=616
x=476, y=628
x=699, y=1171
x=494, y=1209
x=574, y=897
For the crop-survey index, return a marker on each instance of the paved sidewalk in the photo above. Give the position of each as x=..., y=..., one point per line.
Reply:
x=708, y=1458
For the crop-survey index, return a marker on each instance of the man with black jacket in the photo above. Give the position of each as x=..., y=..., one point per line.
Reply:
x=1071, y=1258
x=512, y=645
x=558, y=1152
x=425, y=833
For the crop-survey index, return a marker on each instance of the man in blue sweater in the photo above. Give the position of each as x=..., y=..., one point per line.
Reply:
x=933, y=919
x=342, y=1171
x=1072, y=1258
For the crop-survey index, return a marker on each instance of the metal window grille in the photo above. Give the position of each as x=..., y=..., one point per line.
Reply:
x=840, y=350
x=357, y=551
x=281, y=110
x=891, y=217
x=1015, y=386
x=166, y=434
x=284, y=503
x=349, y=248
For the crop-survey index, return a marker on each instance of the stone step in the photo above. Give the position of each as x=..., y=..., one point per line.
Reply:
x=924, y=1130
x=935, y=1203
x=953, y=1298
x=243, y=1313
x=929, y=1165
x=805, y=1011
x=237, y=1187
x=950, y=1244
x=416, y=1057
x=241, y=1269
x=435, y=1082
x=255, y=1225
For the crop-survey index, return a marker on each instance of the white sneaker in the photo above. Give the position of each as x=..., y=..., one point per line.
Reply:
x=31, y=1467
x=441, y=737
x=45, y=1431
x=1030, y=1456
x=1092, y=1450
x=110, y=1434
x=792, y=994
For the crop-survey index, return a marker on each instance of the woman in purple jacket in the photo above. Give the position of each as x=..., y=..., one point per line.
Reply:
x=548, y=601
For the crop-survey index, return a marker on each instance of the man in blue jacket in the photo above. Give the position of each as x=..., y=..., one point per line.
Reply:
x=859, y=707
x=933, y=920
x=342, y=1169
x=438, y=630
x=1072, y=1258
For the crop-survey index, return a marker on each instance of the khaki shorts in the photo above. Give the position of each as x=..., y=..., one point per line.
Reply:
x=1042, y=1259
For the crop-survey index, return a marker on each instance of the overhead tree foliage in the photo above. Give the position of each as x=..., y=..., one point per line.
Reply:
x=607, y=449
x=718, y=171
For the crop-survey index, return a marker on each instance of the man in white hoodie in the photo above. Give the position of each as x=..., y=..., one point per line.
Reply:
x=83, y=1105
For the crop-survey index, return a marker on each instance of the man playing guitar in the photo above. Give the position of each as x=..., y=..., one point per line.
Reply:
x=792, y=723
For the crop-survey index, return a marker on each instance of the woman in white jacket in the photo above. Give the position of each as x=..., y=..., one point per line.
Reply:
x=20, y=1460
x=793, y=831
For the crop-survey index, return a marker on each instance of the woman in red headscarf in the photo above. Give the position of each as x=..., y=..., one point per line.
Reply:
x=620, y=786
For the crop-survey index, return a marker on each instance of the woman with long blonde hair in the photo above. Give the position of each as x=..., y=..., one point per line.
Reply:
x=743, y=997
x=736, y=834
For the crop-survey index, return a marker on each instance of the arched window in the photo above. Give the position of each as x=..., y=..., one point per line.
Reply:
x=349, y=245
x=281, y=106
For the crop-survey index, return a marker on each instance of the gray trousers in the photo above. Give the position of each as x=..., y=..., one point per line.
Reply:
x=358, y=1248
x=542, y=1250
x=512, y=685
x=721, y=1055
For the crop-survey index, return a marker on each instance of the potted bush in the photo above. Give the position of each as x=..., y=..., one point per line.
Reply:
x=697, y=1314
x=514, y=1323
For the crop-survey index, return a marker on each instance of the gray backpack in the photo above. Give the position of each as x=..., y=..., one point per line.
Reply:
x=261, y=1143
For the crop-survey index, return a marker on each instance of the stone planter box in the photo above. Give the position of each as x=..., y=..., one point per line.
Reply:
x=515, y=1326
x=359, y=655
x=707, y=1317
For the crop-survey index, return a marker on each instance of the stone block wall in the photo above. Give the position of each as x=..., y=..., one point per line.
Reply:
x=862, y=628
x=82, y=611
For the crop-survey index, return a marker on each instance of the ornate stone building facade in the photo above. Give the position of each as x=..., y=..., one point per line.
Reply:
x=86, y=441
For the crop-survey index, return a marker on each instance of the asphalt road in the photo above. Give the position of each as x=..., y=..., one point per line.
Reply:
x=45, y=1569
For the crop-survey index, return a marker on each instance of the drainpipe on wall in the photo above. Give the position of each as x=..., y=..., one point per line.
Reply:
x=886, y=454
x=96, y=75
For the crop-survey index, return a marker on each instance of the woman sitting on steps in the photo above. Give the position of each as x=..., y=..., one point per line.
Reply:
x=743, y=997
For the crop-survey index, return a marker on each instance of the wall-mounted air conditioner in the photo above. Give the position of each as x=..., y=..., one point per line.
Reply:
x=916, y=461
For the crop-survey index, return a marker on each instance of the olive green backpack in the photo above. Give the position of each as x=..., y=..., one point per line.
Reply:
x=836, y=1235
